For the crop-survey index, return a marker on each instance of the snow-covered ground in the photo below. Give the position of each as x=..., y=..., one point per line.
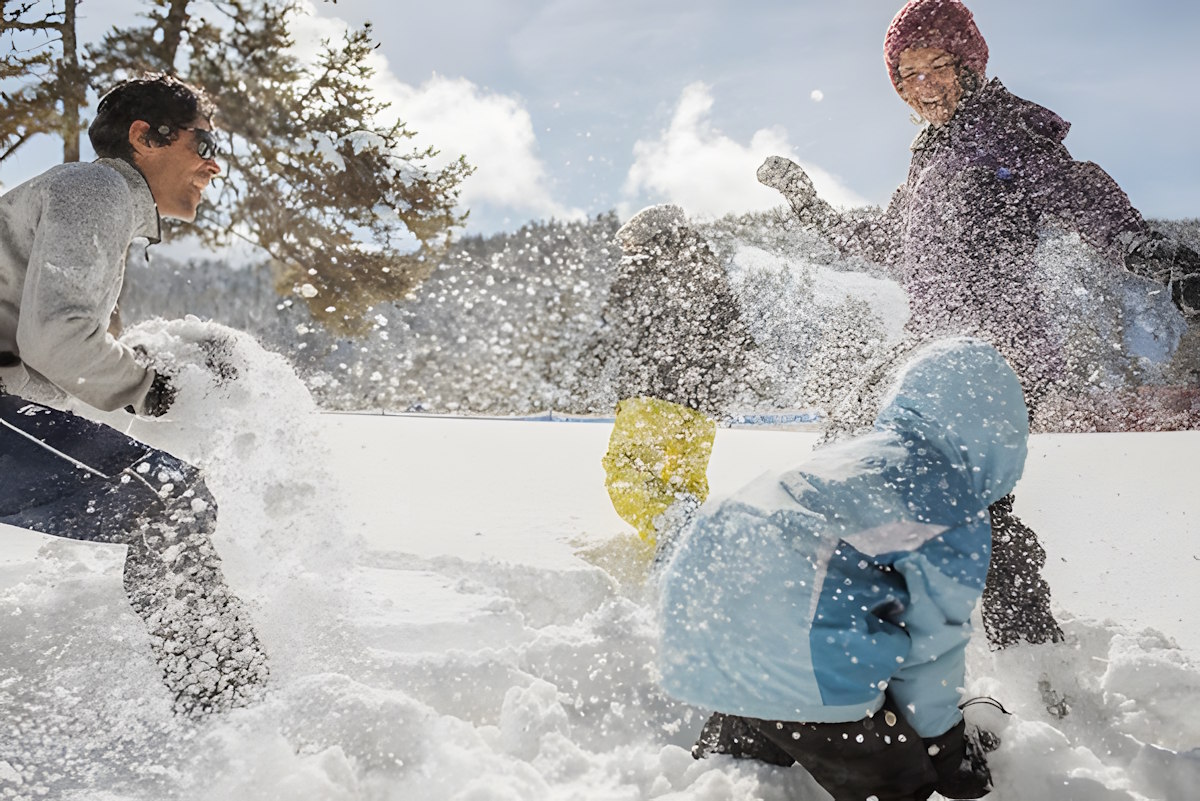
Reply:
x=454, y=611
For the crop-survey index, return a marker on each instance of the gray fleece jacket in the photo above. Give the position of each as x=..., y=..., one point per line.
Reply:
x=64, y=236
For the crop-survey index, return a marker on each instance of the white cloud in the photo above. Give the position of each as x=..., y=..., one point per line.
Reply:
x=494, y=131
x=708, y=174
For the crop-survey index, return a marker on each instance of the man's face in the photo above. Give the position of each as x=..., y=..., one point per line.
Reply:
x=929, y=83
x=176, y=173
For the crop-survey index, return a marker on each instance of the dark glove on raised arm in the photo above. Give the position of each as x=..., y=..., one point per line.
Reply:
x=1185, y=281
x=1150, y=256
x=1171, y=263
x=790, y=180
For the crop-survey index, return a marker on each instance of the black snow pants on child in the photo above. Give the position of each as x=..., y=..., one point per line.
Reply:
x=878, y=757
x=70, y=477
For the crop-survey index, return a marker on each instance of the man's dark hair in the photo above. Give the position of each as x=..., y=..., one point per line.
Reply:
x=158, y=99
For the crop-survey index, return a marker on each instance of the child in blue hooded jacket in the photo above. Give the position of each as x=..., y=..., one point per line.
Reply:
x=828, y=608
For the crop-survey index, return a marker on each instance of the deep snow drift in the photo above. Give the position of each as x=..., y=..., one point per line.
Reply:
x=454, y=611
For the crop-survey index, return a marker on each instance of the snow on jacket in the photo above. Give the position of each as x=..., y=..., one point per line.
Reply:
x=809, y=592
x=64, y=236
x=961, y=234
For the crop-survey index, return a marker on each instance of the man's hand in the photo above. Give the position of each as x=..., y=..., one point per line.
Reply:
x=7, y=360
x=161, y=394
x=160, y=397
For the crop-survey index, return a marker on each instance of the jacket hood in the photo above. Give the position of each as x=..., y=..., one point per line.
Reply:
x=964, y=400
x=797, y=597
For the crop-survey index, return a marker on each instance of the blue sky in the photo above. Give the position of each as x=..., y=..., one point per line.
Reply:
x=572, y=107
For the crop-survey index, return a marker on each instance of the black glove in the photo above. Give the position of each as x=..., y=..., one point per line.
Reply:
x=1150, y=256
x=161, y=394
x=160, y=397
x=790, y=179
x=1185, y=281
x=1168, y=262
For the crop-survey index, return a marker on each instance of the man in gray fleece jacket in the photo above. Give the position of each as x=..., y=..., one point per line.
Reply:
x=64, y=236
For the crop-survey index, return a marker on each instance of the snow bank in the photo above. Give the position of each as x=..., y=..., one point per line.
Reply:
x=454, y=611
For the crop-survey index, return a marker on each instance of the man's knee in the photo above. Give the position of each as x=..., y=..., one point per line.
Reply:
x=180, y=489
x=175, y=540
x=195, y=503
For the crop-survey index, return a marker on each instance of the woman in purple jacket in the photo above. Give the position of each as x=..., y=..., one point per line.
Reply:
x=989, y=179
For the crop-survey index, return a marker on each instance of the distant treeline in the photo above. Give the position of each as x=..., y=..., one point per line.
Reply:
x=503, y=323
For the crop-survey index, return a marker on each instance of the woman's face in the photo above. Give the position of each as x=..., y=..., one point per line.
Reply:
x=929, y=83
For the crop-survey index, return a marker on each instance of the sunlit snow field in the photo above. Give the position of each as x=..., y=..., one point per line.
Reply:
x=454, y=611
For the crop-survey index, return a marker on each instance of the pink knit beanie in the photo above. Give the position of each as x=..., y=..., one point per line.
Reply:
x=944, y=24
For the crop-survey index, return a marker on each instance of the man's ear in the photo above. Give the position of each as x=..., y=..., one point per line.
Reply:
x=139, y=137
x=143, y=138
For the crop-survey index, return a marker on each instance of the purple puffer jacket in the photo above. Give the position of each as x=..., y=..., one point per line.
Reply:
x=961, y=233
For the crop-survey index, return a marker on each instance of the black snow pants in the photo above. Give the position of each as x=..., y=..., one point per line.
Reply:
x=70, y=477
x=879, y=757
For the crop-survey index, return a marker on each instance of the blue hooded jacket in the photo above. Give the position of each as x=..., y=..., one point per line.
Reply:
x=810, y=592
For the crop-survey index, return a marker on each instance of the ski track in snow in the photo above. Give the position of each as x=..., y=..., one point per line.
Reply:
x=466, y=618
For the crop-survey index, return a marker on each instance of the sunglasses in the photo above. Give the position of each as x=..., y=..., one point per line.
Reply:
x=206, y=144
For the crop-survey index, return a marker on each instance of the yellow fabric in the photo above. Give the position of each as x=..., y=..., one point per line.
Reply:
x=658, y=451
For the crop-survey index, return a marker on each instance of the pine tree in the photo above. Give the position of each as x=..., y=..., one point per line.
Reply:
x=350, y=213
x=314, y=176
x=40, y=66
